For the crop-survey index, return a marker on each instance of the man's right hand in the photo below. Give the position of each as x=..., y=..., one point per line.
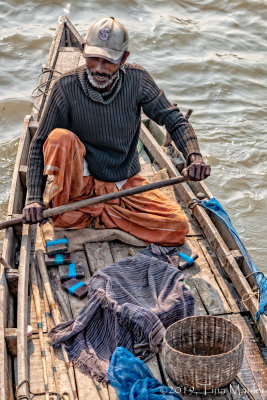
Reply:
x=32, y=213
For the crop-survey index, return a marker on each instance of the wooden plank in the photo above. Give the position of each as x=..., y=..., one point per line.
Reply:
x=81, y=61
x=5, y=370
x=22, y=174
x=254, y=369
x=22, y=358
x=32, y=317
x=209, y=291
x=12, y=277
x=102, y=390
x=35, y=374
x=11, y=340
x=264, y=354
x=86, y=386
x=98, y=255
x=120, y=251
x=64, y=26
x=112, y=393
x=215, y=240
x=154, y=368
x=75, y=39
x=9, y=246
x=67, y=61
x=69, y=49
x=39, y=102
x=16, y=198
x=33, y=126
x=216, y=270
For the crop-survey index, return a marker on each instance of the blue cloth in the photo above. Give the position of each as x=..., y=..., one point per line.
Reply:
x=133, y=380
x=214, y=206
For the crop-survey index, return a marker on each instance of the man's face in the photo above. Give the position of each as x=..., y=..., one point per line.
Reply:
x=103, y=71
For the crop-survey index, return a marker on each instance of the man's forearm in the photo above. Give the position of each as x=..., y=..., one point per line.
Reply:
x=185, y=139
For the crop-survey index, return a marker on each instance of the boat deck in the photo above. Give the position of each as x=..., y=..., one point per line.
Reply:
x=214, y=292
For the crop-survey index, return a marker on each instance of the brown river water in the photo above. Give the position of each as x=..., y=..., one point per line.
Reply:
x=208, y=55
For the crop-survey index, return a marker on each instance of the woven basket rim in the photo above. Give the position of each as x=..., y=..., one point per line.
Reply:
x=202, y=356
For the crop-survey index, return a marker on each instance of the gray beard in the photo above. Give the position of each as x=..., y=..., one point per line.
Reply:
x=99, y=85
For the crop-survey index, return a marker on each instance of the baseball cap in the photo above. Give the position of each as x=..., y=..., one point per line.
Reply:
x=106, y=38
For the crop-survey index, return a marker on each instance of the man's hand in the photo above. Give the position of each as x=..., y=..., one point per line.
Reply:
x=197, y=170
x=32, y=213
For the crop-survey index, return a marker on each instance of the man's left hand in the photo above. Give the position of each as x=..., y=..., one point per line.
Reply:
x=197, y=170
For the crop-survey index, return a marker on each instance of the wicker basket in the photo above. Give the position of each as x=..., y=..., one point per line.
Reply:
x=203, y=352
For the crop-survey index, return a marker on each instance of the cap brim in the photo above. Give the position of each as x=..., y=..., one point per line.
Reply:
x=113, y=56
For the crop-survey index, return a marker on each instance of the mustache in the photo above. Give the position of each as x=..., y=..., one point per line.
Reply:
x=104, y=75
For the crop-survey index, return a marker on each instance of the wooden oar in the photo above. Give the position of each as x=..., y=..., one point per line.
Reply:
x=100, y=199
x=50, y=325
x=37, y=302
x=56, y=316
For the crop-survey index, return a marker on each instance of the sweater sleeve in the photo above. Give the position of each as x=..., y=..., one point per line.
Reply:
x=55, y=116
x=157, y=107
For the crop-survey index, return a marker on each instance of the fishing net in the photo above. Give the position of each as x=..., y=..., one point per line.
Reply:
x=133, y=380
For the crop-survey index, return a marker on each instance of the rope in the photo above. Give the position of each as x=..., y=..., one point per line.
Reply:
x=39, y=88
x=247, y=296
x=52, y=395
x=192, y=203
x=255, y=272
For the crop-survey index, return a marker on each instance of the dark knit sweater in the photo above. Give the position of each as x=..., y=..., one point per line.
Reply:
x=108, y=124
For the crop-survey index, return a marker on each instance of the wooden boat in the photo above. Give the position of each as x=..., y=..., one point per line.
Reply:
x=217, y=279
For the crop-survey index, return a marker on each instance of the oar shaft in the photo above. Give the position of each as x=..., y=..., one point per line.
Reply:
x=50, y=325
x=56, y=315
x=112, y=196
x=100, y=199
x=37, y=302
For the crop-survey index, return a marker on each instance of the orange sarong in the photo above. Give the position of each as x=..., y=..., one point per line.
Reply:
x=149, y=216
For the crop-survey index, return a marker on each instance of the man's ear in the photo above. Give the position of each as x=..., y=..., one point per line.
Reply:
x=124, y=57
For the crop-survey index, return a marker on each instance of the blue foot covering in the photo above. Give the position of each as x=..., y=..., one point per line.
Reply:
x=133, y=380
x=214, y=206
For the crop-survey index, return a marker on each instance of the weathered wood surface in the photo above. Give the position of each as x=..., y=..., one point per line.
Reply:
x=37, y=304
x=22, y=309
x=32, y=317
x=35, y=373
x=5, y=370
x=215, y=268
x=15, y=203
x=11, y=340
x=39, y=102
x=227, y=261
x=254, y=369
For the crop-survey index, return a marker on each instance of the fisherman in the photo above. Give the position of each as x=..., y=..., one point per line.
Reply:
x=87, y=140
